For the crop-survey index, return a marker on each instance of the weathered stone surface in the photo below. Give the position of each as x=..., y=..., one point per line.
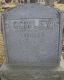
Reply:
x=32, y=35
x=32, y=73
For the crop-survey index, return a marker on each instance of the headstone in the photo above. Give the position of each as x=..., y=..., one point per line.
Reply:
x=32, y=35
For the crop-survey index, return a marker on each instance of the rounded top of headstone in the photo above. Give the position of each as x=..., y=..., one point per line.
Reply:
x=31, y=11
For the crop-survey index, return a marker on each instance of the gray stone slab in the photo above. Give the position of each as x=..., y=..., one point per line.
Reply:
x=32, y=35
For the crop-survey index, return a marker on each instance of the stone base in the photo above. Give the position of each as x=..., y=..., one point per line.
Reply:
x=33, y=73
